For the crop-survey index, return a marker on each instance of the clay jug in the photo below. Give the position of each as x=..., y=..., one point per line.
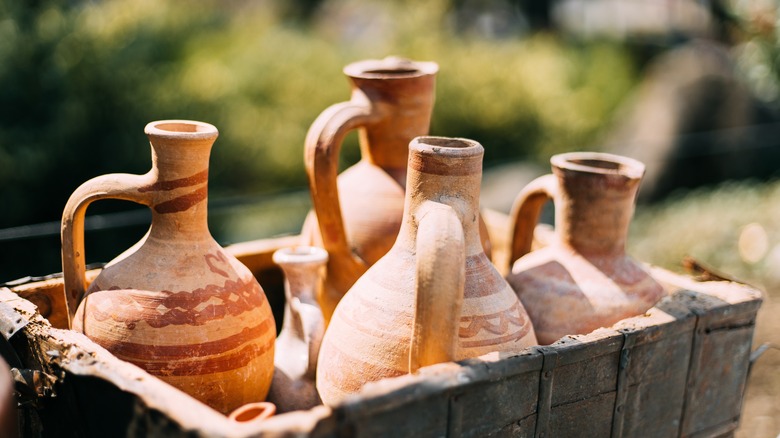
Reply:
x=435, y=296
x=358, y=213
x=583, y=280
x=175, y=304
x=298, y=344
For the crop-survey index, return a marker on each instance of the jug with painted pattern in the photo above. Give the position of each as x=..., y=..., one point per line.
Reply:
x=176, y=304
x=435, y=296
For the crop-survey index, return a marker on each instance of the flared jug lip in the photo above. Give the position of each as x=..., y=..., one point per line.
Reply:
x=300, y=254
x=454, y=146
x=599, y=163
x=182, y=129
x=391, y=67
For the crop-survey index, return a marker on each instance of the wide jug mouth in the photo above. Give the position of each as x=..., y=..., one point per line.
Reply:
x=599, y=163
x=300, y=255
x=446, y=155
x=181, y=129
x=390, y=68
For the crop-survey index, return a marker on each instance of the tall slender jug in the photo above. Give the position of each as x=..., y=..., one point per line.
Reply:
x=584, y=279
x=298, y=344
x=358, y=213
x=175, y=304
x=434, y=296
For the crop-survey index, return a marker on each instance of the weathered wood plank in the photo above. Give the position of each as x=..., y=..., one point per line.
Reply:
x=585, y=418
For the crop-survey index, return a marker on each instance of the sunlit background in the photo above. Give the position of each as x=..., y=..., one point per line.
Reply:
x=691, y=88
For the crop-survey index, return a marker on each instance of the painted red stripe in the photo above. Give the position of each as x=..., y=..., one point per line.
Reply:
x=136, y=351
x=445, y=165
x=205, y=365
x=182, y=203
x=198, y=178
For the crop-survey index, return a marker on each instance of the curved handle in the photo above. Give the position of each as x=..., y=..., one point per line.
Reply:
x=321, y=156
x=441, y=277
x=525, y=214
x=116, y=186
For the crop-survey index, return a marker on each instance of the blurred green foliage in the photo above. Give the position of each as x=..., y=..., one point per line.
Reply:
x=753, y=28
x=733, y=227
x=80, y=79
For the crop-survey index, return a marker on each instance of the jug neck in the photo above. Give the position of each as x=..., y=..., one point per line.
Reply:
x=400, y=93
x=448, y=171
x=596, y=201
x=180, y=168
x=303, y=268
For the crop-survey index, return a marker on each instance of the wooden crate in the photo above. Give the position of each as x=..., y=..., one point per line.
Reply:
x=679, y=370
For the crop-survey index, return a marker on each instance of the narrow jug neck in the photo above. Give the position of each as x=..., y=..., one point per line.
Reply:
x=448, y=171
x=180, y=166
x=596, y=201
x=400, y=93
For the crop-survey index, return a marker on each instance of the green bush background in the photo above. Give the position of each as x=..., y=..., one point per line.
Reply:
x=81, y=79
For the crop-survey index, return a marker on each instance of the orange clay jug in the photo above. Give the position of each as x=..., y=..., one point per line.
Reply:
x=175, y=304
x=584, y=279
x=435, y=296
x=299, y=341
x=358, y=213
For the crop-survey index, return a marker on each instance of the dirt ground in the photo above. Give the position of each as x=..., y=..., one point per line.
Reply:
x=761, y=408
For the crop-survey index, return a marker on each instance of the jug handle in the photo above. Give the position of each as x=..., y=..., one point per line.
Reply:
x=321, y=157
x=112, y=186
x=525, y=214
x=440, y=281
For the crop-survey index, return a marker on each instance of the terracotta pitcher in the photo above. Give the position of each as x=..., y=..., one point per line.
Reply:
x=359, y=213
x=298, y=344
x=584, y=280
x=435, y=296
x=175, y=304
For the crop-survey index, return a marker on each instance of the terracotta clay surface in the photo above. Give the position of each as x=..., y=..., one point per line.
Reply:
x=435, y=296
x=175, y=304
x=298, y=344
x=358, y=213
x=256, y=412
x=584, y=280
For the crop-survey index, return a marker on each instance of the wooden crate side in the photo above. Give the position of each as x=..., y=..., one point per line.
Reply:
x=586, y=418
x=423, y=417
x=653, y=370
x=717, y=379
x=720, y=353
x=476, y=397
x=584, y=366
x=487, y=409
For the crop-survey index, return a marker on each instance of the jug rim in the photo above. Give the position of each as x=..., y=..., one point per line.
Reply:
x=181, y=129
x=391, y=67
x=300, y=254
x=599, y=163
